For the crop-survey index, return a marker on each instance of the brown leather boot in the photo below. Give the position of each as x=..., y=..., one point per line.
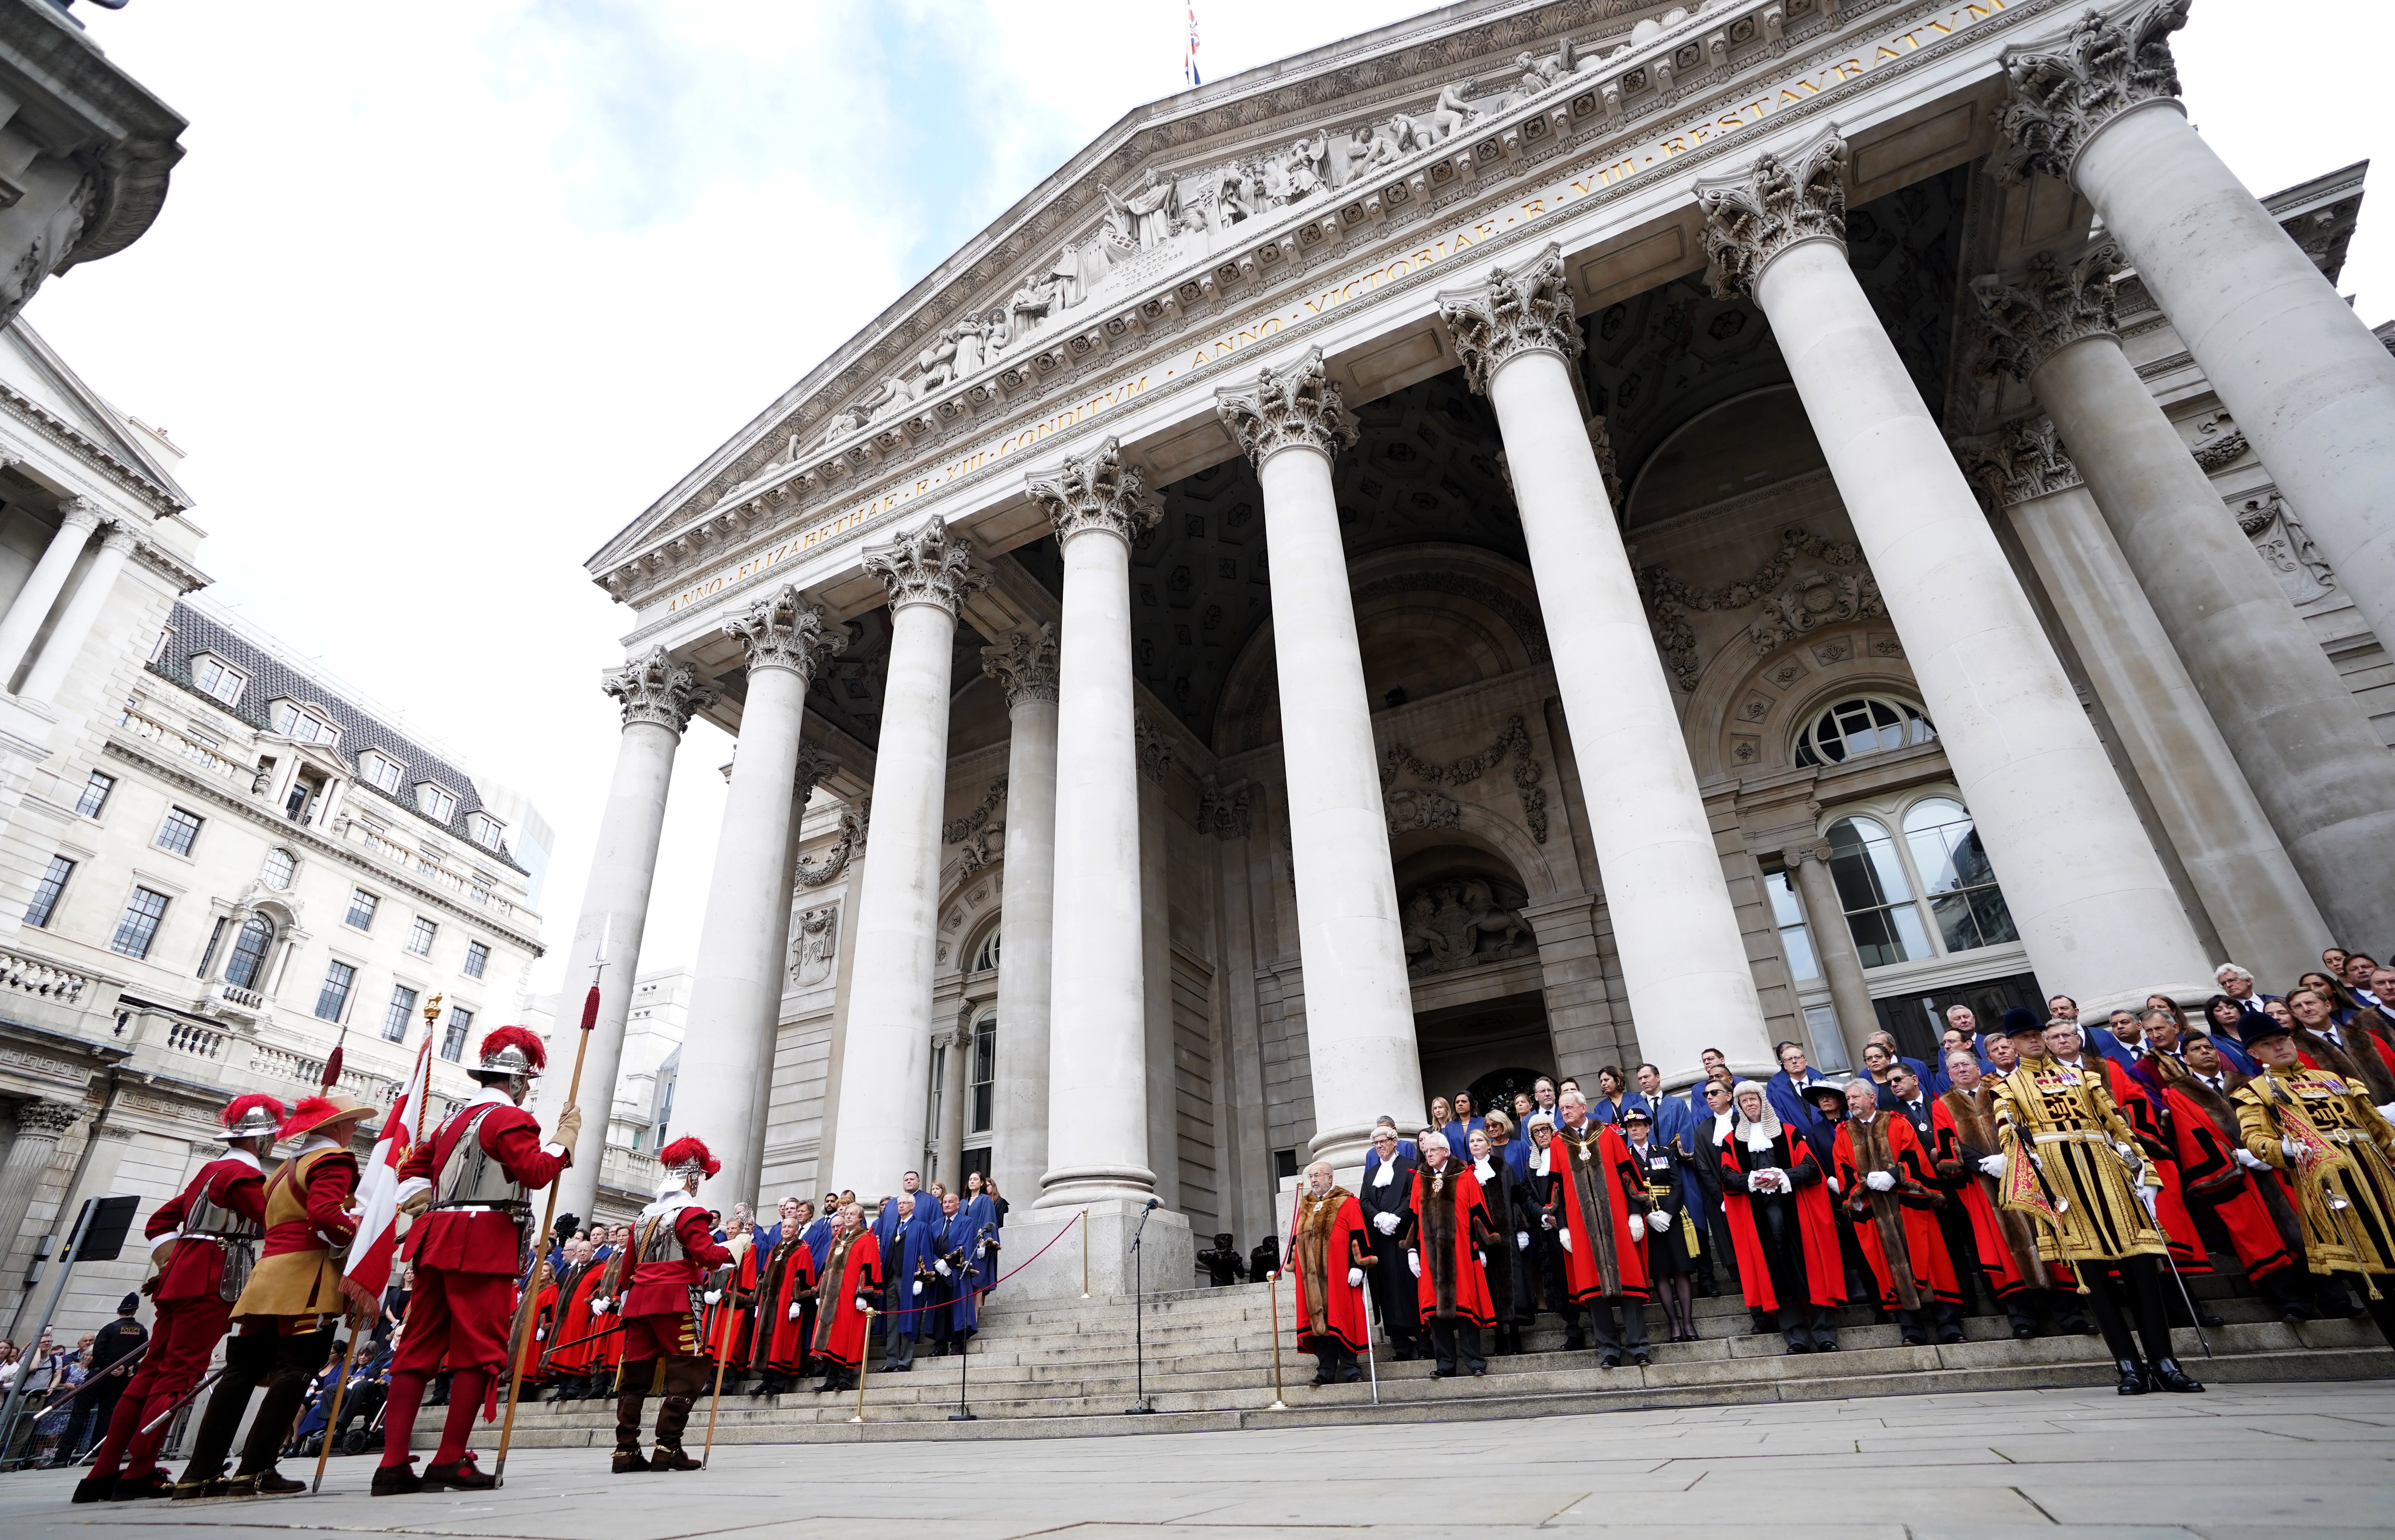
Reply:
x=683, y=1379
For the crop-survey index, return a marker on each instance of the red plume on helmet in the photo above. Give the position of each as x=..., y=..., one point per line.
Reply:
x=241, y=1106
x=687, y=1151
x=522, y=1039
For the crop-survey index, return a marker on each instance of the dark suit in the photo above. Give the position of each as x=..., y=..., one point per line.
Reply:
x=1392, y=1281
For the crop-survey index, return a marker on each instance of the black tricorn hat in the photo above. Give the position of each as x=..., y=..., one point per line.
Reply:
x=2020, y=1022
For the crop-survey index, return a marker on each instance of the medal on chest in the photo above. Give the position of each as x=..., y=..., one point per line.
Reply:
x=1438, y=1181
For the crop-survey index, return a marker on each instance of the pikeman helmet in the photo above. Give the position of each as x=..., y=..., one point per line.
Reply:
x=510, y=1053
x=257, y=1115
x=686, y=1157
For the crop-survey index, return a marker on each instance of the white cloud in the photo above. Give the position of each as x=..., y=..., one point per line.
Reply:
x=446, y=294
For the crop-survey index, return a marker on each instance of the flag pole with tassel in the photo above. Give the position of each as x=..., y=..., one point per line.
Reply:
x=539, y=1274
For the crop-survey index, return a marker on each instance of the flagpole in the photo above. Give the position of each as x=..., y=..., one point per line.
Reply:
x=549, y=1217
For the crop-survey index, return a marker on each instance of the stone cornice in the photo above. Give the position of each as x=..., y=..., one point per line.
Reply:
x=744, y=489
x=88, y=449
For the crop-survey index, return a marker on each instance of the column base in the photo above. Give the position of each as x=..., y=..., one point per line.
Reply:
x=1168, y=1252
x=1077, y=1186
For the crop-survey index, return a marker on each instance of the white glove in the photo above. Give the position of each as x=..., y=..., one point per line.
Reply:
x=1833, y=1184
x=2387, y=1111
x=1521, y=1240
x=985, y=1247
x=941, y=1267
x=1386, y=1223
x=795, y=1309
x=2292, y=1148
x=1992, y=1165
x=1880, y=1181
x=2146, y=1195
x=1637, y=1228
x=919, y=1286
x=2128, y=1152
x=1355, y=1278
x=599, y=1306
x=864, y=1305
x=1481, y=1257
x=1771, y=1178
x=1413, y=1260
x=540, y=1334
x=1565, y=1236
x=713, y=1296
x=2251, y=1161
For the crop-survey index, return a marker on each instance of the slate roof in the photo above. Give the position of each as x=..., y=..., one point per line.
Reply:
x=272, y=679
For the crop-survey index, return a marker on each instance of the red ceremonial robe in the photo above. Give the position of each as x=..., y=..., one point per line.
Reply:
x=1335, y=1221
x=722, y=1325
x=2213, y=1176
x=853, y=1268
x=1825, y=1267
x=565, y=1352
x=1917, y=1193
x=1458, y=1226
x=538, y=1333
x=2136, y=1104
x=781, y=1343
x=1967, y=1187
x=1584, y=1280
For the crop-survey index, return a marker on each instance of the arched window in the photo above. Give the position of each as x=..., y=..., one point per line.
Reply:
x=984, y=956
x=1964, y=898
x=247, y=964
x=1875, y=894
x=280, y=866
x=1864, y=724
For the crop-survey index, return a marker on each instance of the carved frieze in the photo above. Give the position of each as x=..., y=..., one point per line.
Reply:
x=1459, y=922
x=2103, y=67
x=1790, y=606
x=1223, y=811
x=1515, y=741
x=1408, y=809
x=814, y=945
x=2286, y=546
x=1154, y=746
x=852, y=825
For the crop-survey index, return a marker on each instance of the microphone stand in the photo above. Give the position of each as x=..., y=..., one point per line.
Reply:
x=1138, y=1308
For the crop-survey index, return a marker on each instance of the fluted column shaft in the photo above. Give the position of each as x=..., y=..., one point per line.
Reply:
x=659, y=696
x=720, y=1096
x=1024, y=663
x=40, y=1126
x=2089, y=896
x=43, y=585
x=83, y=611
x=885, y=1069
x=1097, y=1045
x=1360, y=1024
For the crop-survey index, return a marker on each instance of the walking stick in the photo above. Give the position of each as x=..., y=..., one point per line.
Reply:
x=1272, y=1284
x=333, y=1416
x=870, y=1313
x=549, y=1217
x=722, y=1354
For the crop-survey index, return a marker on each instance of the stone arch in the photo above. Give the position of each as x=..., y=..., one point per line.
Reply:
x=1744, y=715
x=969, y=901
x=1459, y=901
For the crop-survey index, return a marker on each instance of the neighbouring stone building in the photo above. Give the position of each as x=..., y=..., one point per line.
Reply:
x=1548, y=535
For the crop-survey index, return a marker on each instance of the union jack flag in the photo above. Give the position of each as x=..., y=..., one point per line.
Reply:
x=1189, y=60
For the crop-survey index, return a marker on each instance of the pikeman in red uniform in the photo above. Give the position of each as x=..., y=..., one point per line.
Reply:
x=470, y=1185
x=208, y=1232
x=844, y=1294
x=1328, y=1253
x=288, y=1313
x=673, y=1244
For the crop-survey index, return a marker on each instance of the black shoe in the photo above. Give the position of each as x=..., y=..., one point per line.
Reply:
x=134, y=1489
x=1641, y=1361
x=1442, y=1374
x=1800, y=1348
x=2211, y=1320
x=1949, y=1338
x=93, y=1489
x=2022, y=1334
x=2167, y=1375
x=2132, y=1377
x=459, y=1474
x=271, y=1482
x=1574, y=1342
x=1829, y=1346
x=396, y=1481
x=1609, y=1361
x=190, y=1489
x=1914, y=1339
x=628, y=1462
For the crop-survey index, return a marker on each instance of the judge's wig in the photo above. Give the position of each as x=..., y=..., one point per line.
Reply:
x=1756, y=1132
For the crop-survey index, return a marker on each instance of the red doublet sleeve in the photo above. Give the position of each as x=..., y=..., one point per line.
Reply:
x=513, y=1135
x=329, y=1186
x=697, y=1238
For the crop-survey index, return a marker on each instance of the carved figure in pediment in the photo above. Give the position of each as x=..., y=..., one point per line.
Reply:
x=1389, y=140
x=1459, y=922
x=1240, y=195
x=969, y=335
x=1301, y=168
x=1344, y=154
x=1144, y=219
x=998, y=331
x=1483, y=915
x=1450, y=117
x=935, y=366
x=1031, y=304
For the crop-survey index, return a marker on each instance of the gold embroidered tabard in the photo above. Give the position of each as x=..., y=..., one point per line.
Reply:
x=2345, y=1177
x=2059, y=1130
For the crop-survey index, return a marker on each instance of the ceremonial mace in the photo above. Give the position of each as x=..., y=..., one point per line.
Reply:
x=357, y=1325
x=548, y=1219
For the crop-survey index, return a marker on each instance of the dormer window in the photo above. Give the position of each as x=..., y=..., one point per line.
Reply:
x=213, y=676
x=381, y=770
x=435, y=802
x=307, y=723
x=486, y=831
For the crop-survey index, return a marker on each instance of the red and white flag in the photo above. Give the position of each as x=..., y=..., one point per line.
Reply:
x=377, y=1240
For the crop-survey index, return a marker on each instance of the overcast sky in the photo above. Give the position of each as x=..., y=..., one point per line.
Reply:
x=444, y=294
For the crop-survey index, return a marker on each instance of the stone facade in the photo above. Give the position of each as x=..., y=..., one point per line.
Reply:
x=1552, y=555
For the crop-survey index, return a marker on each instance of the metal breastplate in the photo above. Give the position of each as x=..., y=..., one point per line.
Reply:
x=475, y=1178
x=236, y=1233
x=660, y=1243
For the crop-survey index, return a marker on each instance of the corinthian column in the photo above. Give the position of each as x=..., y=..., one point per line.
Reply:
x=77, y=519
x=657, y=696
x=1024, y=663
x=1097, y=1047
x=1359, y=1023
x=2089, y=895
x=2309, y=386
x=2307, y=749
x=90, y=597
x=885, y=1067
x=1683, y=958
x=40, y=1126
x=721, y=1096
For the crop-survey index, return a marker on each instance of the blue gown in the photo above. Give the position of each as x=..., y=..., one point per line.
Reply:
x=961, y=1242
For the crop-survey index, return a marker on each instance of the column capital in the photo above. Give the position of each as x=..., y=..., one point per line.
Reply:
x=1753, y=218
x=2064, y=93
x=813, y=765
x=1297, y=407
x=926, y=566
x=1795, y=856
x=783, y=630
x=79, y=513
x=656, y=690
x=2055, y=304
x=1529, y=310
x=1097, y=491
x=47, y=1119
x=2021, y=462
x=1024, y=663
x=121, y=536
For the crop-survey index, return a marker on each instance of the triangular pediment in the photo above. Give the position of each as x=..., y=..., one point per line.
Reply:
x=1169, y=189
x=67, y=407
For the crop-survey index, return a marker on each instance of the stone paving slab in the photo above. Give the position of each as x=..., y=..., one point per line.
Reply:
x=2258, y=1461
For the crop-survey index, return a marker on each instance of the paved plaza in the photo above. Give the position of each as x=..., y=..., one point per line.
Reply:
x=2240, y=1463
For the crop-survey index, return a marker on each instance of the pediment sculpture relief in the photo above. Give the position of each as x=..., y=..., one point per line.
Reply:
x=1461, y=922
